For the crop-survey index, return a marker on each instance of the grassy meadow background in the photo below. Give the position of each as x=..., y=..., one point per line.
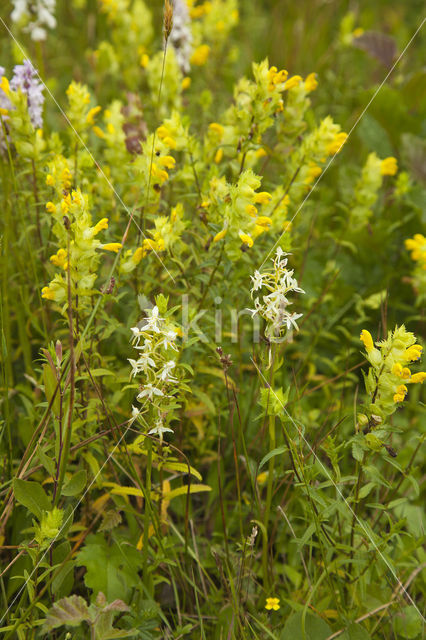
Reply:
x=220, y=485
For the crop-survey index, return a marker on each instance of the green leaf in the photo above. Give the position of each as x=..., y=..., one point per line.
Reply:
x=315, y=628
x=47, y=462
x=70, y=611
x=75, y=484
x=50, y=383
x=181, y=466
x=275, y=452
x=408, y=625
x=355, y=632
x=31, y=495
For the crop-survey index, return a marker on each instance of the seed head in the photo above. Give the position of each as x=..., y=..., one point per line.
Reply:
x=168, y=19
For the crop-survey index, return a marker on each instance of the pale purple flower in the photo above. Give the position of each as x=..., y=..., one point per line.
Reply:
x=27, y=80
x=37, y=16
x=181, y=37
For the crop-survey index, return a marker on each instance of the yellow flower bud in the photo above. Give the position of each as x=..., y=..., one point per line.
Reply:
x=112, y=246
x=311, y=82
x=217, y=128
x=389, y=166
x=366, y=338
x=220, y=235
x=337, y=144
x=246, y=239
x=99, y=226
x=264, y=221
x=47, y=293
x=138, y=255
x=50, y=181
x=292, y=82
x=98, y=132
x=218, y=156
x=413, y=353
x=418, y=377
x=186, y=83
x=144, y=60
x=90, y=118
x=262, y=198
x=4, y=85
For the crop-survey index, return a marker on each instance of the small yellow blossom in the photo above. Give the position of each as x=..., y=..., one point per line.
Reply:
x=311, y=82
x=413, y=353
x=50, y=207
x=167, y=161
x=200, y=55
x=186, y=83
x=418, y=377
x=220, y=235
x=218, y=156
x=4, y=112
x=138, y=255
x=144, y=60
x=49, y=180
x=292, y=82
x=4, y=85
x=98, y=132
x=112, y=246
x=366, y=338
x=389, y=166
x=261, y=153
x=263, y=197
x=48, y=293
x=401, y=392
x=338, y=142
x=99, y=226
x=264, y=221
x=217, y=128
x=272, y=604
x=246, y=239
x=251, y=210
x=90, y=118
x=417, y=246
x=60, y=259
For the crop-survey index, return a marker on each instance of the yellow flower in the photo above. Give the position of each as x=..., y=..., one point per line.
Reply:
x=417, y=246
x=4, y=85
x=311, y=82
x=186, y=83
x=200, y=55
x=272, y=603
x=389, y=166
x=413, y=353
x=99, y=226
x=138, y=255
x=144, y=60
x=418, y=377
x=112, y=246
x=48, y=293
x=90, y=118
x=261, y=478
x=264, y=221
x=50, y=181
x=337, y=144
x=220, y=235
x=401, y=392
x=218, y=156
x=60, y=259
x=167, y=161
x=50, y=207
x=4, y=112
x=246, y=239
x=263, y=197
x=217, y=128
x=251, y=210
x=292, y=82
x=261, y=153
x=366, y=338
x=98, y=132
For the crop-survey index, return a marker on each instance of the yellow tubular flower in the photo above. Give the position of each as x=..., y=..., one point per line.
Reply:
x=251, y=210
x=337, y=144
x=4, y=85
x=167, y=161
x=311, y=82
x=413, y=353
x=389, y=166
x=98, y=132
x=220, y=235
x=60, y=259
x=186, y=83
x=102, y=224
x=292, y=82
x=417, y=246
x=366, y=338
x=246, y=239
x=397, y=369
x=47, y=293
x=264, y=221
x=50, y=207
x=217, y=128
x=112, y=246
x=138, y=255
x=218, y=156
x=90, y=118
x=418, y=377
x=262, y=198
x=200, y=55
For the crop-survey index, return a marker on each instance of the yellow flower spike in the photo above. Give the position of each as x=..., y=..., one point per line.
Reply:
x=251, y=210
x=50, y=207
x=217, y=128
x=220, y=235
x=167, y=161
x=112, y=246
x=418, y=377
x=246, y=239
x=138, y=255
x=200, y=55
x=264, y=221
x=98, y=132
x=90, y=118
x=413, y=353
x=366, y=338
x=144, y=60
x=99, y=226
x=337, y=144
x=218, y=156
x=47, y=293
x=272, y=604
x=263, y=197
x=389, y=166
x=186, y=83
x=292, y=82
x=4, y=85
x=311, y=82
x=50, y=181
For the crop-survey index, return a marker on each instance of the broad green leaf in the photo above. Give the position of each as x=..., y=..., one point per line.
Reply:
x=355, y=632
x=275, y=452
x=75, y=484
x=315, y=628
x=31, y=495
